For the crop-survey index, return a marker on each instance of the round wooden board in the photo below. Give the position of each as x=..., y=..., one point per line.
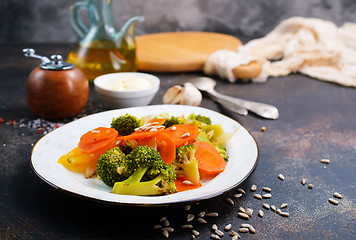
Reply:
x=180, y=51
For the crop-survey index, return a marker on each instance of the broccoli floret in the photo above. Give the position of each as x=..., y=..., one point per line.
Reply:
x=172, y=121
x=110, y=166
x=198, y=119
x=149, y=175
x=126, y=124
x=222, y=150
x=186, y=164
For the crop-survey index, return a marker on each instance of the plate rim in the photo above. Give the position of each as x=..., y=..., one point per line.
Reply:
x=120, y=203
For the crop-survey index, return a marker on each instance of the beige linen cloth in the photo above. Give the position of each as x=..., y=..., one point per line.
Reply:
x=314, y=47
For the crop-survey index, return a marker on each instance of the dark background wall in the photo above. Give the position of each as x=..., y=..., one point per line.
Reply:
x=48, y=20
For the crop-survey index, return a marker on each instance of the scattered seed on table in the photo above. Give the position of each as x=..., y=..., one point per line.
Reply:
x=266, y=189
x=249, y=211
x=187, y=207
x=258, y=196
x=228, y=227
x=326, y=161
x=214, y=227
x=243, y=215
x=187, y=226
x=233, y=233
x=169, y=229
x=284, y=214
x=260, y=213
x=163, y=219
x=241, y=190
x=195, y=233
x=235, y=237
x=273, y=208
x=303, y=181
x=266, y=206
x=190, y=217
x=281, y=177
x=333, y=201
x=279, y=211
x=165, y=234
x=219, y=233
x=229, y=200
x=201, y=214
x=238, y=195
x=166, y=223
x=157, y=226
x=244, y=230
x=201, y=220
x=284, y=205
x=267, y=195
x=310, y=186
x=249, y=226
x=214, y=236
x=337, y=195
x=263, y=128
x=253, y=188
x=241, y=209
x=212, y=214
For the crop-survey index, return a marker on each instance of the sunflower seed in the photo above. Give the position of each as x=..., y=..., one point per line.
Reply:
x=201, y=220
x=326, y=161
x=187, y=182
x=280, y=176
x=233, y=233
x=173, y=128
x=166, y=223
x=190, y=217
x=214, y=236
x=253, y=188
x=187, y=226
x=235, y=237
x=214, y=227
x=157, y=226
x=249, y=226
x=165, y=234
x=263, y=128
x=193, y=237
x=185, y=135
x=260, y=213
x=228, y=227
x=244, y=230
x=241, y=190
x=249, y=211
x=337, y=195
x=219, y=233
x=212, y=214
x=241, y=209
x=267, y=195
x=195, y=233
x=258, y=196
x=273, y=208
x=279, y=211
x=284, y=205
x=238, y=195
x=333, y=201
x=303, y=181
x=169, y=229
x=310, y=186
x=266, y=206
x=187, y=207
x=163, y=219
x=284, y=214
x=201, y=214
x=266, y=189
x=229, y=200
x=243, y=215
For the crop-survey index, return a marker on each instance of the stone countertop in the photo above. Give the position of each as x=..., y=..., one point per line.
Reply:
x=317, y=121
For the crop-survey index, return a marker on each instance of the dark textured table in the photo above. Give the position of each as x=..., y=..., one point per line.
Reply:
x=317, y=121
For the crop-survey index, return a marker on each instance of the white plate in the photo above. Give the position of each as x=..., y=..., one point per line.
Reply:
x=241, y=148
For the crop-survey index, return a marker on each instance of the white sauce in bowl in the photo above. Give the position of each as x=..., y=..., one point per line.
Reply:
x=128, y=83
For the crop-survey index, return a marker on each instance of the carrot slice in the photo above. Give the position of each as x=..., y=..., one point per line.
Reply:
x=166, y=147
x=183, y=133
x=149, y=141
x=210, y=162
x=145, y=133
x=97, y=139
x=181, y=186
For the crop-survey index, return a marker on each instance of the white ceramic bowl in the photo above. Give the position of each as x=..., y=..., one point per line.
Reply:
x=126, y=98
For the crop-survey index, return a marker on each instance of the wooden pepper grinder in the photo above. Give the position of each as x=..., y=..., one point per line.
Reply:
x=56, y=89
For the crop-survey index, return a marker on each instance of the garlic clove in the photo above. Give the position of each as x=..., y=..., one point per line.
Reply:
x=191, y=95
x=173, y=95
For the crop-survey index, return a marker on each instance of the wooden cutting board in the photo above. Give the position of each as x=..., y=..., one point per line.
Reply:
x=180, y=51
